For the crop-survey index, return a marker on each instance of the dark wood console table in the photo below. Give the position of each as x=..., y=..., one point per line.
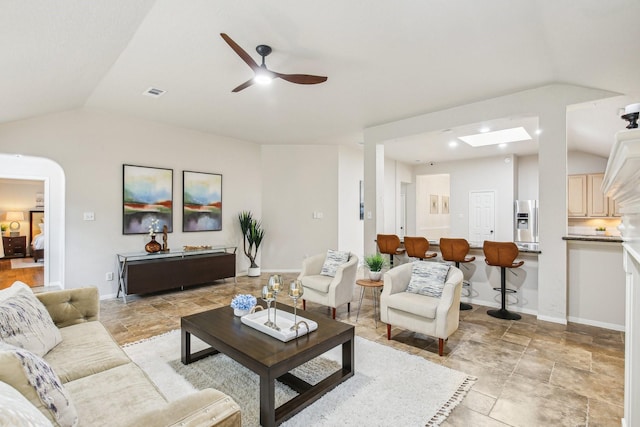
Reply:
x=140, y=273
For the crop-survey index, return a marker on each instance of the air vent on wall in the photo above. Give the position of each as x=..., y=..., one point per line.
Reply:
x=154, y=92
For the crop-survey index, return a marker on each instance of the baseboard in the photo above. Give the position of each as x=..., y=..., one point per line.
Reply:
x=559, y=320
x=108, y=296
x=493, y=304
x=604, y=325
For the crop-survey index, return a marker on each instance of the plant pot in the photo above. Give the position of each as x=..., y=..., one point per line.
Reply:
x=253, y=272
x=240, y=312
x=600, y=232
x=375, y=275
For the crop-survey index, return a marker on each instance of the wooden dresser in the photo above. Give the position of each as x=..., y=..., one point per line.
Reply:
x=14, y=247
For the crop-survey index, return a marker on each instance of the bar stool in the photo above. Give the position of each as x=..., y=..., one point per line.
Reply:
x=389, y=244
x=503, y=255
x=417, y=247
x=456, y=250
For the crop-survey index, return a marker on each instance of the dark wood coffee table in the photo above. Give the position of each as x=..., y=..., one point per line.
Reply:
x=271, y=358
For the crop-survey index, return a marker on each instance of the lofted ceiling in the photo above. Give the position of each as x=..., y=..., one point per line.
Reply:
x=385, y=61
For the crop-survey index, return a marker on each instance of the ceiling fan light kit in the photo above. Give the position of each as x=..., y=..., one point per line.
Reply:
x=262, y=74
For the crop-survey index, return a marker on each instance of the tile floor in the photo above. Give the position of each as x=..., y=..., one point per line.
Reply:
x=530, y=372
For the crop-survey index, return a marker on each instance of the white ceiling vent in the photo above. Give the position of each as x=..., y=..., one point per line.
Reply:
x=154, y=92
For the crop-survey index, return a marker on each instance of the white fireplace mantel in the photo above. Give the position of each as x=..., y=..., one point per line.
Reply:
x=622, y=183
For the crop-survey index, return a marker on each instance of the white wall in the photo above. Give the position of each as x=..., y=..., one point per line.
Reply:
x=433, y=226
x=466, y=176
x=581, y=163
x=298, y=181
x=527, y=170
x=350, y=227
x=91, y=148
x=596, y=284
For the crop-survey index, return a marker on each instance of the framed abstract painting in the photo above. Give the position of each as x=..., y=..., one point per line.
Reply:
x=147, y=198
x=202, y=201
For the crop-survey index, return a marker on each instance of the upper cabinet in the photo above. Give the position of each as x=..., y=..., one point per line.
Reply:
x=586, y=199
x=577, y=195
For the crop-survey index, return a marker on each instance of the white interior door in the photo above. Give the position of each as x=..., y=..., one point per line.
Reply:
x=482, y=216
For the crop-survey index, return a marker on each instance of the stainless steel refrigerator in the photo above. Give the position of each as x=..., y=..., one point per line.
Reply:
x=526, y=221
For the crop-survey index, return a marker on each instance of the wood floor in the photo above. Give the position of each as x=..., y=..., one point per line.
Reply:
x=33, y=276
x=530, y=372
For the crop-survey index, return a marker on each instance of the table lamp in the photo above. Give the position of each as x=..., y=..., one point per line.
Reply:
x=14, y=226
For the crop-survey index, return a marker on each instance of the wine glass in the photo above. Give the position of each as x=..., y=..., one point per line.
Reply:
x=275, y=285
x=267, y=296
x=295, y=291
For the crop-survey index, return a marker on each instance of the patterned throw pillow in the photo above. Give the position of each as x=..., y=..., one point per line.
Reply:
x=25, y=322
x=428, y=278
x=16, y=410
x=333, y=260
x=41, y=378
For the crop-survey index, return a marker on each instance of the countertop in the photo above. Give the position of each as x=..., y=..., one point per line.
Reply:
x=593, y=238
x=527, y=248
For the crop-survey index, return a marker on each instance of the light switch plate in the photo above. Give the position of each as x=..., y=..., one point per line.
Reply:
x=88, y=216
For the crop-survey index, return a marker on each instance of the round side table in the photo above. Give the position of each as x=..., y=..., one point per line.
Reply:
x=374, y=286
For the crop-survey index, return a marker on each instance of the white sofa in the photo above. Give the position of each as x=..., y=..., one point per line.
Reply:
x=437, y=317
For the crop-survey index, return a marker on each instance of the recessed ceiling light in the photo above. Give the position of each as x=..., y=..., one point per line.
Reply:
x=497, y=137
x=453, y=143
x=503, y=145
x=484, y=129
x=538, y=131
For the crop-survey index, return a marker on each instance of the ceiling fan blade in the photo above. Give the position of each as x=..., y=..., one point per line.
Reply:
x=241, y=53
x=302, y=79
x=244, y=85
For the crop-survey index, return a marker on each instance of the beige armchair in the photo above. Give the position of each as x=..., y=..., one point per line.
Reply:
x=437, y=317
x=326, y=290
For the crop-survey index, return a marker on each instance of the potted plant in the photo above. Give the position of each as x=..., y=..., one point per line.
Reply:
x=600, y=231
x=375, y=263
x=252, y=233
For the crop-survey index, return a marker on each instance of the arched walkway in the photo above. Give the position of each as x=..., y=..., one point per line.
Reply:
x=37, y=168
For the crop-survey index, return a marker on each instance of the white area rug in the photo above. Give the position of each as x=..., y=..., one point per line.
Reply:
x=25, y=263
x=389, y=388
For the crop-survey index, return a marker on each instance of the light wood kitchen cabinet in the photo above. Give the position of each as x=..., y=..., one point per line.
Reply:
x=613, y=208
x=597, y=202
x=577, y=195
x=586, y=199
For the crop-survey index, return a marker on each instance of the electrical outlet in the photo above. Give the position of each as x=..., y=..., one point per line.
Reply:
x=109, y=276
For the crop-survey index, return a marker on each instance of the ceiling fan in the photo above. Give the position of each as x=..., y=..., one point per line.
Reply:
x=263, y=74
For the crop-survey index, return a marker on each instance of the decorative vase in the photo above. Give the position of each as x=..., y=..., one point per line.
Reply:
x=153, y=246
x=375, y=275
x=253, y=272
x=240, y=312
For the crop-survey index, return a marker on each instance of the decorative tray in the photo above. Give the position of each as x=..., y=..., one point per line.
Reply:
x=285, y=321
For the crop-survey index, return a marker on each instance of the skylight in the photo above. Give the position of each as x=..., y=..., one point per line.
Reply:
x=497, y=137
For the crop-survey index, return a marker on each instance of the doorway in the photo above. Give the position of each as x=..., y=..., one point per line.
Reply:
x=482, y=216
x=22, y=199
x=19, y=167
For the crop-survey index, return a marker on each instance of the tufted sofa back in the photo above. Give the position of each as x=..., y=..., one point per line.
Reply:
x=72, y=306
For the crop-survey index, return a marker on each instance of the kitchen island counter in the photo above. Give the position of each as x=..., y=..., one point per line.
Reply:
x=593, y=238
